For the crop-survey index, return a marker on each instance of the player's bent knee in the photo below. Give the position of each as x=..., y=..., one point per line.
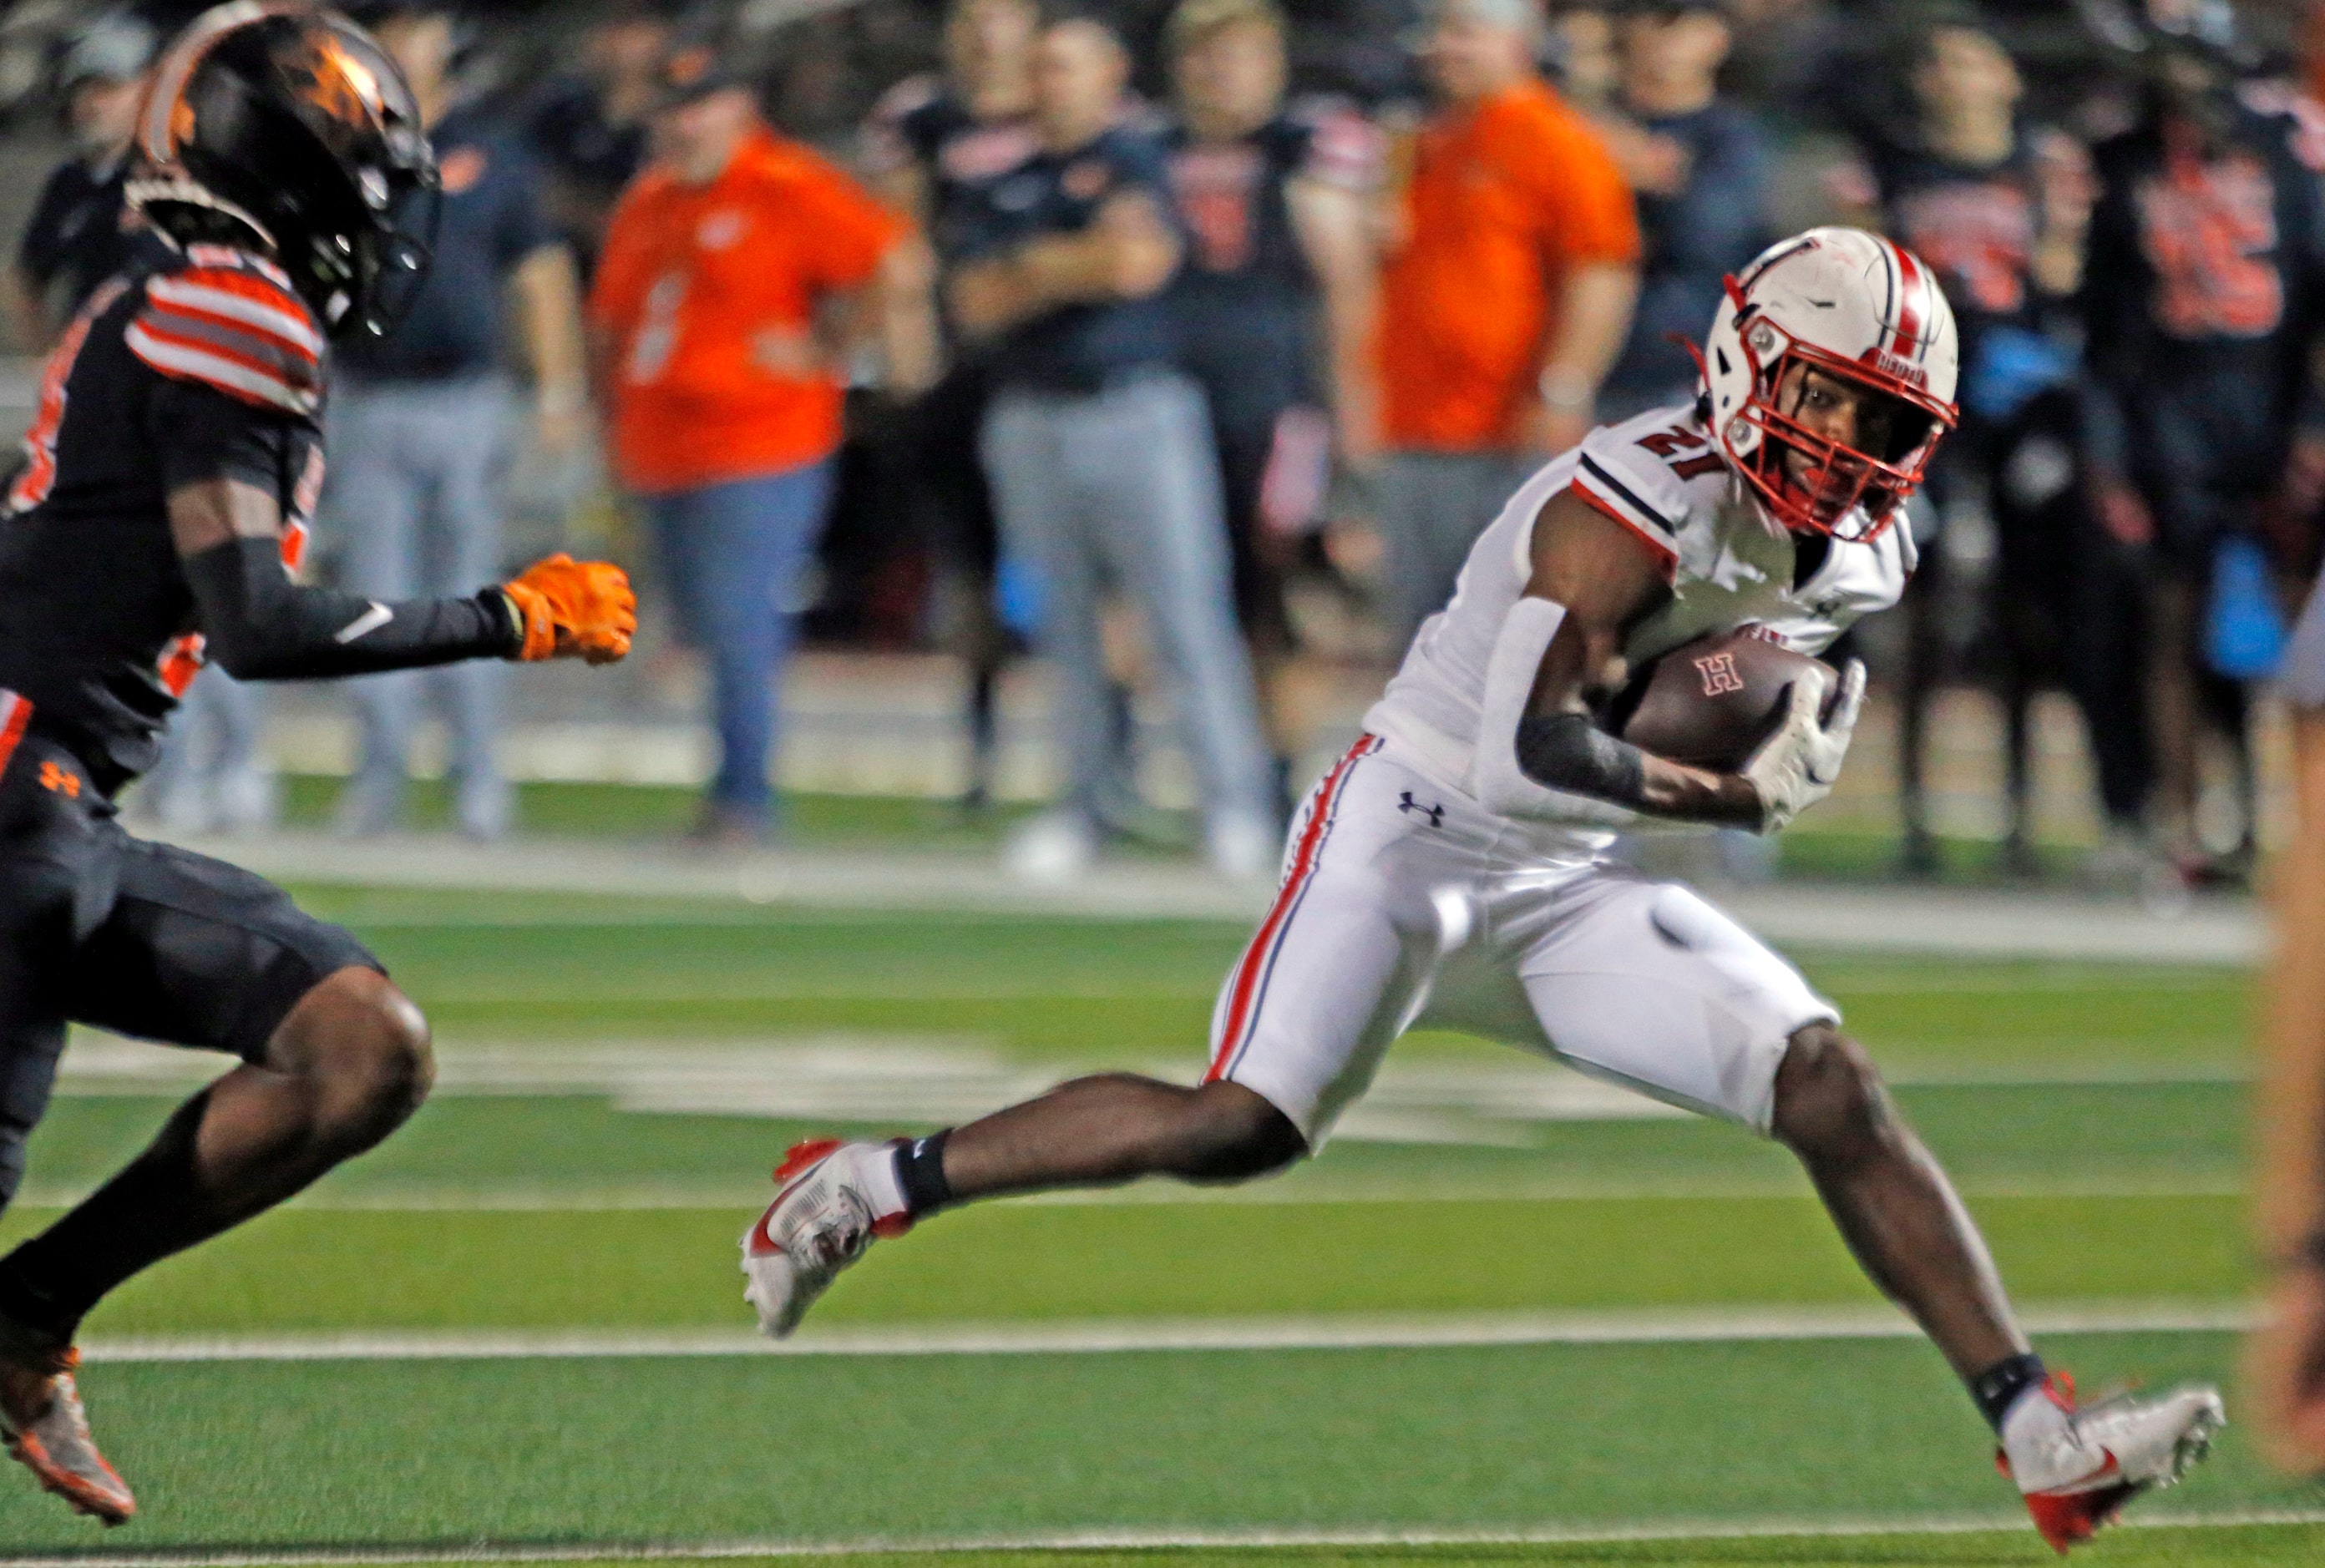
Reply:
x=1234, y=1134
x=1829, y=1094
x=360, y=1035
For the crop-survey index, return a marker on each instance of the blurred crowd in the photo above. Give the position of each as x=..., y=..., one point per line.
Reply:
x=1126, y=336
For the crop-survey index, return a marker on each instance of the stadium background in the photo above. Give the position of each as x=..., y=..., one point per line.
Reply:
x=1511, y=1316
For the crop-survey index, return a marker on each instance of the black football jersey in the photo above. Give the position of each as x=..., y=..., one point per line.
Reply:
x=1245, y=298
x=199, y=365
x=2213, y=260
x=1978, y=227
x=919, y=124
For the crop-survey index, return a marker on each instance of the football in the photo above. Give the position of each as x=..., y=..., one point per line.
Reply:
x=1709, y=703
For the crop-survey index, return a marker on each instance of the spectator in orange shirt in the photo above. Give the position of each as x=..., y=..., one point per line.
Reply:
x=1512, y=262
x=735, y=269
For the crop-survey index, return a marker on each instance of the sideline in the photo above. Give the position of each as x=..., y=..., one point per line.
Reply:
x=1134, y=1540
x=1101, y=1336
x=2001, y=924
x=732, y=1198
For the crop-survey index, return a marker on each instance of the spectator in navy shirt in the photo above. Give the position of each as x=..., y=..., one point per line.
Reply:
x=418, y=425
x=589, y=128
x=1699, y=168
x=2200, y=304
x=1996, y=207
x=77, y=237
x=1099, y=450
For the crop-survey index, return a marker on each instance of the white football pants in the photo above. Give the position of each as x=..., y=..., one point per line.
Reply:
x=1405, y=903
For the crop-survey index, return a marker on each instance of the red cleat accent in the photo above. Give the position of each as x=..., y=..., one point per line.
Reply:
x=104, y=1499
x=2078, y=1465
x=82, y=1477
x=820, y=1223
x=2067, y=1519
x=800, y=1156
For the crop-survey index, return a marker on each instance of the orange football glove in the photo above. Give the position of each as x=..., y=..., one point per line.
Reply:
x=574, y=610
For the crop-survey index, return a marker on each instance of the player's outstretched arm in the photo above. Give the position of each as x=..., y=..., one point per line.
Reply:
x=1540, y=751
x=261, y=625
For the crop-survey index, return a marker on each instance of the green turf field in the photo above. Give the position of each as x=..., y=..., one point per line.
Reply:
x=580, y=1182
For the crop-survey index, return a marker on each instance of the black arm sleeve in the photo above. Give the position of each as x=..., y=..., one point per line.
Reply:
x=263, y=626
x=1568, y=751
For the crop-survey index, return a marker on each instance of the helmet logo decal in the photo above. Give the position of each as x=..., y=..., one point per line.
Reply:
x=341, y=86
x=1903, y=370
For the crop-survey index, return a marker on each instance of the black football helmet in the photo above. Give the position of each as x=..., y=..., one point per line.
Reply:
x=284, y=124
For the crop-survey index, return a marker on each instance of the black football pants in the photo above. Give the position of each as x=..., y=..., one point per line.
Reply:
x=141, y=939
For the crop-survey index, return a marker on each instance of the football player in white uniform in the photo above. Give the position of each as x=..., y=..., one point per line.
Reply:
x=1449, y=867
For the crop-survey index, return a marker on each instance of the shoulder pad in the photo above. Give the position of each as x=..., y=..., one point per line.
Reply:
x=235, y=329
x=1638, y=473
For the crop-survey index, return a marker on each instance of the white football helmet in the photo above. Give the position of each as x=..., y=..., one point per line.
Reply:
x=1853, y=306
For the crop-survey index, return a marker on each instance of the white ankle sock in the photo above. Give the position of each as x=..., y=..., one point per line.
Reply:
x=875, y=1178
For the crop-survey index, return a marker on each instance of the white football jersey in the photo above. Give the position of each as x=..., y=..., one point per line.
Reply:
x=1660, y=476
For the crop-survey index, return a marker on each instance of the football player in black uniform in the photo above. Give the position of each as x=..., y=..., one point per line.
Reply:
x=934, y=148
x=174, y=458
x=1998, y=206
x=2203, y=297
x=1278, y=285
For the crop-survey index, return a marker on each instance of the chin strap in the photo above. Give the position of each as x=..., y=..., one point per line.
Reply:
x=1495, y=777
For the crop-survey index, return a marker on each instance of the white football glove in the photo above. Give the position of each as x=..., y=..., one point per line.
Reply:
x=1798, y=765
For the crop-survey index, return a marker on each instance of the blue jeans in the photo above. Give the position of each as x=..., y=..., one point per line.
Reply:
x=412, y=509
x=734, y=555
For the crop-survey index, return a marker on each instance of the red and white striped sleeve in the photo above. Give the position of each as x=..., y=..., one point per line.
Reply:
x=236, y=330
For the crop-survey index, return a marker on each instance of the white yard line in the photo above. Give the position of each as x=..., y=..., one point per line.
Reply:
x=1134, y=1539
x=1115, y=1336
x=1997, y=924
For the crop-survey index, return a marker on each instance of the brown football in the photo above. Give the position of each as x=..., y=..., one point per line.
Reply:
x=1710, y=702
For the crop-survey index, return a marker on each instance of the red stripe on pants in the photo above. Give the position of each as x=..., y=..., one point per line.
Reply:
x=1244, y=987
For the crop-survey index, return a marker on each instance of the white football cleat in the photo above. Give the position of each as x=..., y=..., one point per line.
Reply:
x=835, y=1198
x=2077, y=1467
x=46, y=1431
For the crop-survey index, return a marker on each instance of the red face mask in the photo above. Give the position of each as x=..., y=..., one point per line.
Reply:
x=1851, y=491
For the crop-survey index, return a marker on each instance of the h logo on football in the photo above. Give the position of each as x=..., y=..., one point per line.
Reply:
x=1718, y=672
